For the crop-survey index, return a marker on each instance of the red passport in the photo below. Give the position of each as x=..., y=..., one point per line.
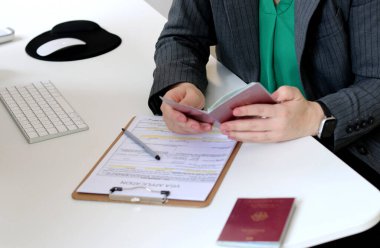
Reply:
x=257, y=222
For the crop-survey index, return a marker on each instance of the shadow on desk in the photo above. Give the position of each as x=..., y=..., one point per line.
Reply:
x=367, y=239
x=371, y=237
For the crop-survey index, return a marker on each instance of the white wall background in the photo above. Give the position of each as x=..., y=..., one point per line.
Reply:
x=161, y=6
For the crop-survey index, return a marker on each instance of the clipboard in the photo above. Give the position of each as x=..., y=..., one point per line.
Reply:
x=162, y=196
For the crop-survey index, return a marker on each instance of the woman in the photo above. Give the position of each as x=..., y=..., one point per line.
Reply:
x=320, y=58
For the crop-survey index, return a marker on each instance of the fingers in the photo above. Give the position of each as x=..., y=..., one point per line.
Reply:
x=169, y=113
x=179, y=123
x=260, y=130
x=243, y=125
x=255, y=110
x=258, y=137
x=176, y=121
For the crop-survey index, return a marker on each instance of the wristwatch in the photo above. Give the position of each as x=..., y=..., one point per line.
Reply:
x=328, y=124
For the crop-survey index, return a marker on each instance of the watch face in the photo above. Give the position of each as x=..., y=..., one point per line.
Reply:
x=328, y=127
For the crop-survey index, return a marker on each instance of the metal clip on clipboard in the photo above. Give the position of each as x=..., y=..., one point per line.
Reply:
x=158, y=196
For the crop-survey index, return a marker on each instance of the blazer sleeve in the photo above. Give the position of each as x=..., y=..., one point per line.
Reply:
x=357, y=108
x=183, y=48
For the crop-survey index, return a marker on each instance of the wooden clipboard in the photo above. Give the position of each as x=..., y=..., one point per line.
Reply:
x=183, y=203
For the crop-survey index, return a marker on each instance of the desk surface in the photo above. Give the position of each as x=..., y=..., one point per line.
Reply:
x=36, y=181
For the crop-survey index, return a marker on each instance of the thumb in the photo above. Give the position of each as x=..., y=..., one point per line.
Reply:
x=193, y=97
x=193, y=101
x=286, y=93
x=186, y=100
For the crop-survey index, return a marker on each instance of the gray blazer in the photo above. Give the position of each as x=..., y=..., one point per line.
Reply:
x=338, y=53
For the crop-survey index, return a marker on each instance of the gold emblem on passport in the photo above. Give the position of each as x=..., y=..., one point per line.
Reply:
x=259, y=216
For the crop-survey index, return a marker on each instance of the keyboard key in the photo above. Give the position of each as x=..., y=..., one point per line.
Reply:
x=61, y=128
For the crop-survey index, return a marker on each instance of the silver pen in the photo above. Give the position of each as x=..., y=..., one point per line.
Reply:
x=140, y=143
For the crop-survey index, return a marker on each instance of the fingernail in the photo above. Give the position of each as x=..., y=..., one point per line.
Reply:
x=236, y=112
x=181, y=118
x=194, y=126
x=208, y=128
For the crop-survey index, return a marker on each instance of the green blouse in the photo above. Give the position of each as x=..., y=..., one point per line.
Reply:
x=277, y=46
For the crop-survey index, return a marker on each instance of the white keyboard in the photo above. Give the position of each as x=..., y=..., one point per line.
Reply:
x=40, y=111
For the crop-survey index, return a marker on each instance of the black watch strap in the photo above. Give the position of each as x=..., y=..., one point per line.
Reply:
x=325, y=109
x=328, y=124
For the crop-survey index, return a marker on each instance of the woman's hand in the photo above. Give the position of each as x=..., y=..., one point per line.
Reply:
x=292, y=117
x=187, y=94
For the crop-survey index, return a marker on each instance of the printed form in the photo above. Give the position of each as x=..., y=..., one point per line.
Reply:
x=189, y=167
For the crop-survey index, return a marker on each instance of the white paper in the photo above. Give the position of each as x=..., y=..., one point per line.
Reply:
x=189, y=166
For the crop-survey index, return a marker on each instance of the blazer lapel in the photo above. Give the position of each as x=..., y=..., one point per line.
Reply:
x=243, y=21
x=304, y=9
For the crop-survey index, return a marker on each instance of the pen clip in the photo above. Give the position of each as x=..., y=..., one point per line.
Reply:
x=158, y=196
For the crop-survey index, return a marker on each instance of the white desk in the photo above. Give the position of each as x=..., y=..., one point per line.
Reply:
x=36, y=181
